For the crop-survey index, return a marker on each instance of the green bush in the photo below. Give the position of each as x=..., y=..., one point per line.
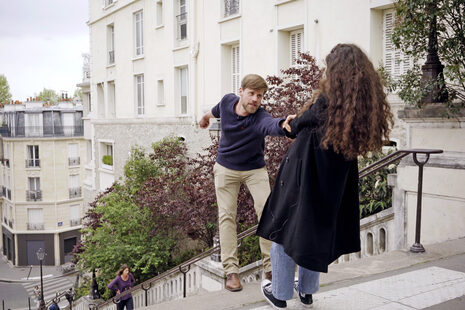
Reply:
x=374, y=192
x=107, y=160
x=249, y=251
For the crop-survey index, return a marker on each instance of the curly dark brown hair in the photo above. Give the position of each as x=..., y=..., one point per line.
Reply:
x=358, y=115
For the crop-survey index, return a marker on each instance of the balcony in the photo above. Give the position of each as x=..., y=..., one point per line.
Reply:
x=35, y=226
x=75, y=192
x=111, y=57
x=75, y=222
x=182, y=26
x=32, y=163
x=34, y=195
x=74, y=161
x=43, y=131
x=231, y=7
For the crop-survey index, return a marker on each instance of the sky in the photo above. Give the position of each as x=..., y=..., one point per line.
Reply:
x=41, y=45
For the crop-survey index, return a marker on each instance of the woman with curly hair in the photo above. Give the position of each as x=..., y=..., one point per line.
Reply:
x=312, y=214
x=123, y=281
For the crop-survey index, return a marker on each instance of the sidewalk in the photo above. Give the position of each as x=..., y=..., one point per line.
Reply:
x=433, y=279
x=10, y=273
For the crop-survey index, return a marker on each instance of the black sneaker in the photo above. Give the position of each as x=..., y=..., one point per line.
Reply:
x=305, y=299
x=267, y=293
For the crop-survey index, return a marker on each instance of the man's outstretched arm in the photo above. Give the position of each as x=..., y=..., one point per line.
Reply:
x=205, y=120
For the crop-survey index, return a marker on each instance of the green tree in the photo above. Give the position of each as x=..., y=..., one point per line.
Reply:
x=77, y=93
x=411, y=34
x=4, y=89
x=49, y=95
x=125, y=234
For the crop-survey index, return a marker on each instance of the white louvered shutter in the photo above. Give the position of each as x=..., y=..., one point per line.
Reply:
x=235, y=68
x=395, y=62
x=296, y=45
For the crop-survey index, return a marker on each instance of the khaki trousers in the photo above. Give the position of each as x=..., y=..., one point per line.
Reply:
x=227, y=184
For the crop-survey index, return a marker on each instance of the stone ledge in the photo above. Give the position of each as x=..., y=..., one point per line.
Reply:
x=430, y=111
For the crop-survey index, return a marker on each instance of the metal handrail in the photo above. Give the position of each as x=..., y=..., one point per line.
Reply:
x=389, y=159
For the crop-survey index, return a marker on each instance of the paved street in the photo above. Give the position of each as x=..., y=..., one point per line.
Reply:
x=17, y=283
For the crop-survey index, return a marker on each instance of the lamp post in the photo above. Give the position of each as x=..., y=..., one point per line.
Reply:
x=41, y=255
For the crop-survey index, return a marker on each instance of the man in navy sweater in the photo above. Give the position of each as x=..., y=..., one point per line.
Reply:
x=240, y=159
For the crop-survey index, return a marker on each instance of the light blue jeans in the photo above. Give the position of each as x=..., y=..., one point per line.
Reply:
x=283, y=275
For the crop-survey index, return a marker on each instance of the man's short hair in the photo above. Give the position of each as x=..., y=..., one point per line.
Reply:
x=254, y=81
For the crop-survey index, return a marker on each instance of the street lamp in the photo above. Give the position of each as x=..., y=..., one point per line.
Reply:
x=41, y=255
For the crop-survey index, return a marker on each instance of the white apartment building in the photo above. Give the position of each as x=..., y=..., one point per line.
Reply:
x=41, y=147
x=158, y=65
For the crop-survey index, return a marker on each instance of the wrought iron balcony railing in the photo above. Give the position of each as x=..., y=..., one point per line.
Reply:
x=35, y=226
x=31, y=163
x=75, y=222
x=75, y=192
x=34, y=195
x=231, y=7
x=43, y=131
x=74, y=161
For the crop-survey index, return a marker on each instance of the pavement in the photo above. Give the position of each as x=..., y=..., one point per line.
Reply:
x=17, y=283
x=397, y=280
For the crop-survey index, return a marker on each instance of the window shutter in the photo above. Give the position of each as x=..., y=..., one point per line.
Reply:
x=395, y=62
x=296, y=44
x=235, y=65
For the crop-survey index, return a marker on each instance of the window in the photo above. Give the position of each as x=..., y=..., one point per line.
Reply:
x=35, y=219
x=111, y=43
x=34, y=193
x=296, y=45
x=140, y=93
x=139, y=32
x=231, y=7
x=74, y=215
x=90, y=102
x=106, y=150
x=32, y=156
x=181, y=19
x=73, y=154
x=160, y=92
x=184, y=89
x=33, y=124
x=159, y=20
x=394, y=61
x=111, y=109
x=235, y=69
x=74, y=186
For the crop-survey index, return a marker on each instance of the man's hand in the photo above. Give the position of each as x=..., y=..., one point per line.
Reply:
x=286, y=122
x=205, y=121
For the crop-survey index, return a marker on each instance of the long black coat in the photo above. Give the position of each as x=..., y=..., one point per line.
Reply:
x=313, y=209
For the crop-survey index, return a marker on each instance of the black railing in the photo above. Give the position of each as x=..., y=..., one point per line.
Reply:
x=35, y=226
x=75, y=222
x=231, y=7
x=387, y=160
x=75, y=192
x=111, y=57
x=30, y=163
x=44, y=131
x=74, y=161
x=34, y=195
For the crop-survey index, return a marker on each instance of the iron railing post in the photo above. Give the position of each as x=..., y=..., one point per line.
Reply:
x=417, y=247
x=184, y=271
x=146, y=292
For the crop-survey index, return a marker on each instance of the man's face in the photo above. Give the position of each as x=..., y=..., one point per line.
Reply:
x=251, y=99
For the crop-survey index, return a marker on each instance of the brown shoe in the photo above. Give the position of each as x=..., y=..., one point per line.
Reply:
x=233, y=283
x=268, y=275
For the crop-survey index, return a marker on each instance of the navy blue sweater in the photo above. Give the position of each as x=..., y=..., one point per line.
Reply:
x=242, y=142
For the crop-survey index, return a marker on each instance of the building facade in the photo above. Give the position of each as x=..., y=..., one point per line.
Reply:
x=158, y=65
x=42, y=147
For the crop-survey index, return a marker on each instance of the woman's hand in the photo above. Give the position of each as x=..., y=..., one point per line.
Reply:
x=118, y=292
